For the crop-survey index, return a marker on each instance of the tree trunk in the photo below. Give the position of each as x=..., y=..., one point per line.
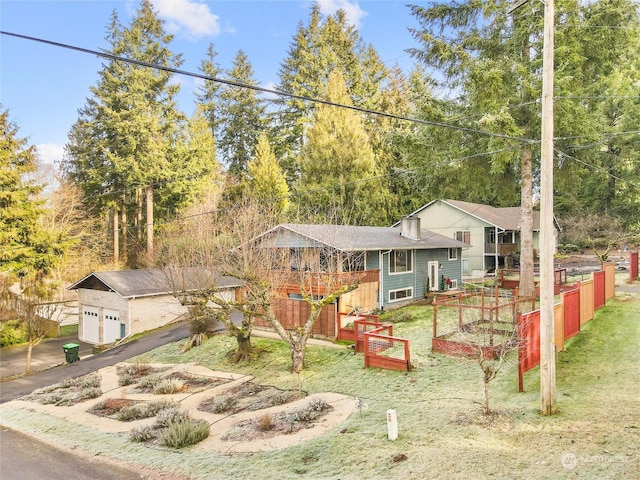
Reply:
x=149, y=204
x=123, y=223
x=527, y=286
x=244, y=351
x=29, y=351
x=116, y=237
x=487, y=410
x=297, y=347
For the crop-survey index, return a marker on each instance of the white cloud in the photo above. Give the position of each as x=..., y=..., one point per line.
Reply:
x=351, y=8
x=189, y=17
x=50, y=152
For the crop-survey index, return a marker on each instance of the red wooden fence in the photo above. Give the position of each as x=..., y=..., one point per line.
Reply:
x=576, y=308
x=598, y=290
x=633, y=266
x=571, y=302
x=529, y=344
x=386, y=351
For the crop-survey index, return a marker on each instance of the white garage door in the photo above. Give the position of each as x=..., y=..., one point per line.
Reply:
x=111, y=325
x=90, y=324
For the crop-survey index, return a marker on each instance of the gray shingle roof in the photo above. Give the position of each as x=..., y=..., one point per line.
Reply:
x=146, y=282
x=357, y=238
x=507, y=218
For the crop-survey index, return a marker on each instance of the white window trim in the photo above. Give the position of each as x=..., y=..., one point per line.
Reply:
x=453, y=285
x=455, y=254
x=408, y=297
x=406, y=271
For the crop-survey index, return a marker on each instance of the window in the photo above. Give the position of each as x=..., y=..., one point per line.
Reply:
x=491, y=236
x=400, y=261
x=353, y=262
x=463, y=236
x=453, y=284
x=453, y=254
x=401, y=294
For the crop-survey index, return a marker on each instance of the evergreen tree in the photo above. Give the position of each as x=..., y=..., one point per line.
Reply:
x=338, y=171
x=125, y=142
x=208, y=93
x=26, y=248
x=242, y=117
x=266, y=180
x=317, y=49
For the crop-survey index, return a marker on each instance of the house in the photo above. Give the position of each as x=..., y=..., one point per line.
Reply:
x=492, y=234
x=116, y=304
x=396, y=264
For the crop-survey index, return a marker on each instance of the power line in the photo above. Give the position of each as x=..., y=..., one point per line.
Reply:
x=270, y=91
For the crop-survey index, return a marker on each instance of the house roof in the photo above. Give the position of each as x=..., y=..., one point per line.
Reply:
x=505, y=218
x=357, y=238
x=146, y=282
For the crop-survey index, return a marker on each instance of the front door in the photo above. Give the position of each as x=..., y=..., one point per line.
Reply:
x=432, y=269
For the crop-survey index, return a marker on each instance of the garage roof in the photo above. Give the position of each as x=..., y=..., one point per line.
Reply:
x=147, y=282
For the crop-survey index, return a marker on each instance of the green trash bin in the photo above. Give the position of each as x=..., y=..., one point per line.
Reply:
x=71, y=352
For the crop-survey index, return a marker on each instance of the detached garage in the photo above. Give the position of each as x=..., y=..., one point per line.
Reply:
x=114, y=305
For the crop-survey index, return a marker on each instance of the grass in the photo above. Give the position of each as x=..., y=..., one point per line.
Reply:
x=68, y=330
x=442, y=432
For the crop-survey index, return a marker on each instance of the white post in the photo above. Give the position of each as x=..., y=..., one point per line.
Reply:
x=392, y=424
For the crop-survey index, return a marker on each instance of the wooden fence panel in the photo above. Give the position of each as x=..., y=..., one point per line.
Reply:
x=558, y=326
x=633, y=266
x=598, y=290
x=586, y=301
x=293, y=313
x=609, y=281
x=571, y=304
x=529, y=344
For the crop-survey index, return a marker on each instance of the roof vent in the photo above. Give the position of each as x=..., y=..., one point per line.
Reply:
x=410, y=228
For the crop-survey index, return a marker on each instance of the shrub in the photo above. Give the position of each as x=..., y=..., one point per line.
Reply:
x=149, y=382
x=169, y=416
x=125, y=379
x=265, y=422
x=222, y=404
x=135, y=411
x=142, y=434
x=185, y=433
x=90, y=381
x=167, y=386
x=12, y=332
x=90, y=392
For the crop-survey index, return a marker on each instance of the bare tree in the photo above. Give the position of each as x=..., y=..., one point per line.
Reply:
x=482, y=326
x=35, y=304
x=322, y=275
x=599, y=232
x=207, y=250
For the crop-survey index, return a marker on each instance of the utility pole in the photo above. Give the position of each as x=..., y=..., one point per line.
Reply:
x=547, y=237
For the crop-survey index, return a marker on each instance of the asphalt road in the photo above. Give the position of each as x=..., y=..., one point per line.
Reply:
x=25, y=458
x=23, y=386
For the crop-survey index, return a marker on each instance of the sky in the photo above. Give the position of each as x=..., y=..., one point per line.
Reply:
x=43, y=86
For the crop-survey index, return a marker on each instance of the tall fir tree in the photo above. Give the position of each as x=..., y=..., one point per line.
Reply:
x=208, y=93
x=26, y=248
x=125, y=140
x=318, y=48
x=242, y=117
x=266, y=181
x=339, y=180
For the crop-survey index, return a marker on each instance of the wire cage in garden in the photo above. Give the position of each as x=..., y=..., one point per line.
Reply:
x=383, y=350
x=346, y=325
x=481, y=321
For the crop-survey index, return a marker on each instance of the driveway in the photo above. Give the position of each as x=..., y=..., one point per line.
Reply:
x=24, y=385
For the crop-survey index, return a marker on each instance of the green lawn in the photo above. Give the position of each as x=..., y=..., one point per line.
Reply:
x=442, y=432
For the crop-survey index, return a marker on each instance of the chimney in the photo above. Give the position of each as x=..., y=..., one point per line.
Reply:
x=410, y=228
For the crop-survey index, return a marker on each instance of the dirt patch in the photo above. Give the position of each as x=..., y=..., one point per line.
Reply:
x=249, y=396
x=284, y=423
